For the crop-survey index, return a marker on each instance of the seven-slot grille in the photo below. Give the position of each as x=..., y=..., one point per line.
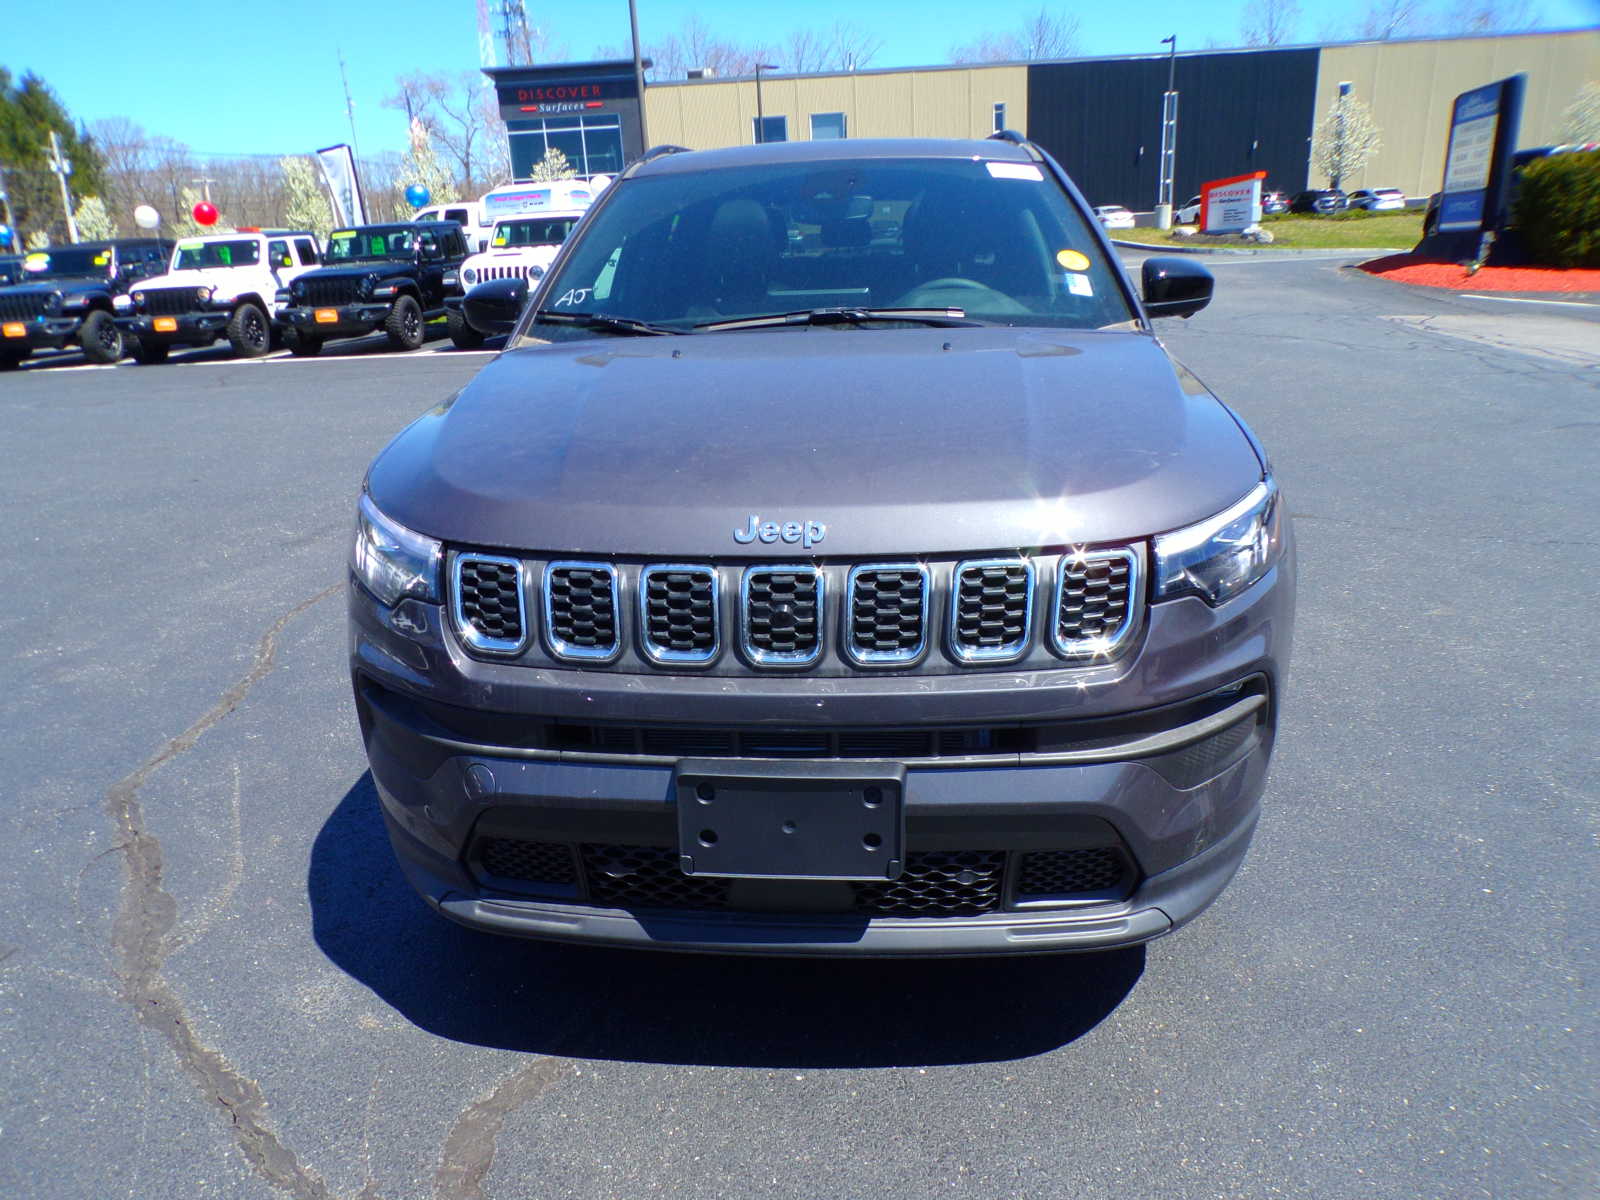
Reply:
x=679, y=613
x=170, y=302
x=888, y=613
x=488, y=602
x=782, y=614
x=23, y=307
x=580, y=610
x=341, y=289
x=993, y=605
x=1094, y=592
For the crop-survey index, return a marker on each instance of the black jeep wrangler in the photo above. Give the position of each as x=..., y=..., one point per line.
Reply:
x=67, y=297
x=373, y=276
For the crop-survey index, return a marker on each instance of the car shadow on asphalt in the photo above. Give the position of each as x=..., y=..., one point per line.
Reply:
x=644, y=1006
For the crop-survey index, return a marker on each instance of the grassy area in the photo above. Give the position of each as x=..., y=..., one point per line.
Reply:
x=1376, y=231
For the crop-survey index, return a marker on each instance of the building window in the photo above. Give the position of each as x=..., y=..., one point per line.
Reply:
x=770, y=129
x=999, y=116
x=827, y=125
x=593, y=145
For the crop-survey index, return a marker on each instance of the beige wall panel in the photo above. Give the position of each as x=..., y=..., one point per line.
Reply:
x=1411, y=86
x=883, y=106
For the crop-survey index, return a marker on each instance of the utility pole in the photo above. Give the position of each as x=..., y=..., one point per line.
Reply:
x=1165, y=198
x=61, y=168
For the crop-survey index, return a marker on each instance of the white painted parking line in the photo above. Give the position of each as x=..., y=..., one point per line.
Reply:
x=1527, y=300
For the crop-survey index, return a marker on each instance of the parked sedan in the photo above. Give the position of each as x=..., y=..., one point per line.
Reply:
x=1320, y=200
x=1378, y=199
x=1114, y=216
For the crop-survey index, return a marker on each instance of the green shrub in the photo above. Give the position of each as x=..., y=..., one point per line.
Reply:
x=1558, y=209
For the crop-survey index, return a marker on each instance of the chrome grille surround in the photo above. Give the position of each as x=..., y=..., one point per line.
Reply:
x=575, y=651
x=470, y=633
x=862, y=657
x=783, y=658
x=1009, y=651
x=1104, y=645
x=666, y=655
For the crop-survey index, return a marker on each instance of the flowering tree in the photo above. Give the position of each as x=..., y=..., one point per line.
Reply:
x=1344, y=140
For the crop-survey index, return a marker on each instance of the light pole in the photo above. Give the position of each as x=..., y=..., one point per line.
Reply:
x=1169, y=139
x=761, y=116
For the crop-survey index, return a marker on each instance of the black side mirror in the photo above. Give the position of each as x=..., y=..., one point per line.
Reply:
x=1175, y=287
x=492, y=308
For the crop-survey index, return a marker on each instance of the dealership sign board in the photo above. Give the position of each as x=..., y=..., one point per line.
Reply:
x=1231, y=205
x=1477, y=162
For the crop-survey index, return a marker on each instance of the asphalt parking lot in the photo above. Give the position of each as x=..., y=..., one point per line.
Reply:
x=214, y=982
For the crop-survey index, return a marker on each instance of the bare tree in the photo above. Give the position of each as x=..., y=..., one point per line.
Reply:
x=1269, y=22
x=1042, y=36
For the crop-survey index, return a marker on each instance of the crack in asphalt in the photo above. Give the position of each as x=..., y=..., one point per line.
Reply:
x=140, y=944
x=469, y=1148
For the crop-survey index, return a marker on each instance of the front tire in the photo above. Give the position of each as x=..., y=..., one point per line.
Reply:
x=463, y=335
x=249, y=332
x=100, y=338
x=404, y=324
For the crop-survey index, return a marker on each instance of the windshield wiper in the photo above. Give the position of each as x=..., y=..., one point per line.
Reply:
x=601, y=321
x=845, y=316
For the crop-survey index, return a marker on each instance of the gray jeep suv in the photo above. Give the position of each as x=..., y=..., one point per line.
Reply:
x=833, y=563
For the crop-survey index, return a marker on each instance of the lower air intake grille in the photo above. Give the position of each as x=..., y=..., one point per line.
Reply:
x=782, y=615
x=647, y=876
x=888, y=613
x=1053, y=874
x=581, y=612
x=956, y=883
x=533, y=862
x=991, y=609
x=680, y=613
x=489, y=602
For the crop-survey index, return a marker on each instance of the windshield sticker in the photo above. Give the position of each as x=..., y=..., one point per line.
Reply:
x=1079, y=285
x=36, y=262
x=1072, y=260
x=1015, y=171
x=572, y=296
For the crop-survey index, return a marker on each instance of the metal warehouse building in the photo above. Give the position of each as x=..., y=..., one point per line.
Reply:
x=1240, y=110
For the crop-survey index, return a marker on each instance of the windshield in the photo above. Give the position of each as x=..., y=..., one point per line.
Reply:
x=370, y=242
x=533, y=231
x=197, y=256
x=999, y=241
x=62, y=261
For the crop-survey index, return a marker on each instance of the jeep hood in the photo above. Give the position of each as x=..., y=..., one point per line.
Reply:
x=924, y=441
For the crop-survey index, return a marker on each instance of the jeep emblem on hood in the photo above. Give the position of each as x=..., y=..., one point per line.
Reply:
x=806, y=533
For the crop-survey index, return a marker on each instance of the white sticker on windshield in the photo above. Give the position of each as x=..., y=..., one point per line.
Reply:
x=1079, y=285
x=1015, y=171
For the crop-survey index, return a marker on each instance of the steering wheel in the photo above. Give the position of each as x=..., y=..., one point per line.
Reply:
x=967, y=293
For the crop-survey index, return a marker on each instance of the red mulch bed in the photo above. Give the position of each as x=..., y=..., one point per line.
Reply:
x=1433, y=272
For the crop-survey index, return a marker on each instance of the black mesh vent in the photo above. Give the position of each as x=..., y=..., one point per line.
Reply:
x=583, y=611
x=782, y=613
x=647, y=877
x=22, y=307
x=170, y=302
x=680, y=611
x=335, y=290
x=489, y=598
x=534, y=862
x=1094, y=598
x=886, y=609
x=955, y=883
x=1063, y=873
x=992, y=607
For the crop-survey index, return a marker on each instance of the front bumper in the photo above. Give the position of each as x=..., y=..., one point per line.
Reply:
x=350, y=320
x=1175, y=796
x=185, y=327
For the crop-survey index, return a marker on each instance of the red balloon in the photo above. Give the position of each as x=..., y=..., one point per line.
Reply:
x=205, y=213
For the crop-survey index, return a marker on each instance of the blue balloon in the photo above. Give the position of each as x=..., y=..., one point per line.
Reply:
x=417, y=195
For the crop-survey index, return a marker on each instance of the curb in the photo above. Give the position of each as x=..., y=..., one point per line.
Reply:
x=1286, y=252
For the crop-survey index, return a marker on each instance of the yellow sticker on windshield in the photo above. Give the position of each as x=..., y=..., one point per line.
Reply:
x=1073, y=260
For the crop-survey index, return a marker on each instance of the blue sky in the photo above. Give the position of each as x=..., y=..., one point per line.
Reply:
x=189, y=70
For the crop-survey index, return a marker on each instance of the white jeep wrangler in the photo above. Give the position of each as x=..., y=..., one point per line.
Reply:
x=221, y=285
x=520, y=246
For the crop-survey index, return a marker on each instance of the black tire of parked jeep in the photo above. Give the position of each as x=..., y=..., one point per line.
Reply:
x=249, y=332
x=302, y=345
x=404, y=323
x=100, y=338
x=148, y=353
x=463, y=335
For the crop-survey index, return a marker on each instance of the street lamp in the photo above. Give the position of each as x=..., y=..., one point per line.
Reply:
x=1169, y=140
x=761, y=117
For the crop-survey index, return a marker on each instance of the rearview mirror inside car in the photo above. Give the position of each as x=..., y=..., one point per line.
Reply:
x=1175, y=287
x=492, y=308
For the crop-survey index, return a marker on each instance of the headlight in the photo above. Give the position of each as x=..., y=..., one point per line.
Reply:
x=1224, y=554
x=203, y=292
x=391, y=560
x=470, y=275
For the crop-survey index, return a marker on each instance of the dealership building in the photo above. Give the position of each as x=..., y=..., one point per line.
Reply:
x=1239, y=110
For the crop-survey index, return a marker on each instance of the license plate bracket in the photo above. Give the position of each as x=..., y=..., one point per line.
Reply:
x=783, y=820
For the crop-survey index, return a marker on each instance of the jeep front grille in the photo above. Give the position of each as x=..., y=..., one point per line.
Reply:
x=991, y=613
x=335, y=291
x=488, y=602
x=170, y=302
x=679, y=614
x=580, y=610
x=888, y=614
x=1094, y=608
x=781, y=615
x=24, y=307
